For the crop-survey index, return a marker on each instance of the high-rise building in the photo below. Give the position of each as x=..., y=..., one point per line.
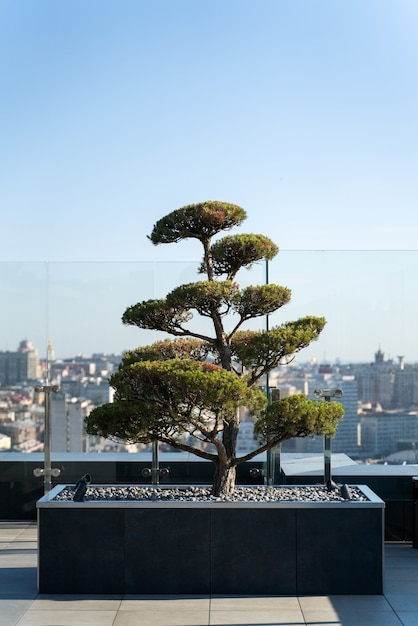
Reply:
x=20, y=366
x=67, y=423
x=382, y=431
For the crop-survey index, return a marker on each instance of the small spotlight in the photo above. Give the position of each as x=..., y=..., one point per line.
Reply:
x=331, y=485
x=81, y=488
x=345, y=492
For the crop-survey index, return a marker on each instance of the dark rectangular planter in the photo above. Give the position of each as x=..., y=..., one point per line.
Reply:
x=279, y=548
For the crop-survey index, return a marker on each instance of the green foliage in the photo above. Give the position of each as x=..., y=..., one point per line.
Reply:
x=234, y=252
x=205, y=297
x=200, y=221
x=262, y=351
x=185, y=348
x=163, y=399
x=156, y=315
x=296, y=416
x=116, y=420
x=259, y=300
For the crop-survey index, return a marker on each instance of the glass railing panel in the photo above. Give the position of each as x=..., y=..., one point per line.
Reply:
x=86, y=302
x=367, y=297
x=366, y=349
x=23, y=310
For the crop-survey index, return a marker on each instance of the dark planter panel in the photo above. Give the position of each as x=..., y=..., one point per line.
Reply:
x=167, y=551
x=253, y=551
x=339, y=551
x=81, y=551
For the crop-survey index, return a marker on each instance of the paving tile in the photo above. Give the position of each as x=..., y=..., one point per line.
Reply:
x=21, y=547
x=8, y=532
x=363, y=603
x=18, y=580
x=187, y=617
x=9, y=617
x=403, y=601
x=408, y=618
x=164, y=603
x=232, y=603
x=317, y=603
x=13, y=561
x=11, y=609
x=355, y=617
x=348, y=611
x=401, y=587
x=326, y=623
x=401, y=573
x=67, y=618
x=77, y=603
x=405, y=563
x=257, y=617
x=346, y=603
x=365, y=619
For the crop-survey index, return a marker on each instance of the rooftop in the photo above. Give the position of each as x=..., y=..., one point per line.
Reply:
x=21, y=605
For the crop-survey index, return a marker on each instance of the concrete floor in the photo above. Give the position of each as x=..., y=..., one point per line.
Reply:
x=21, y=605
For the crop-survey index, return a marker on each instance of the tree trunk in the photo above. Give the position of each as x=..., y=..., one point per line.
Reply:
x=223, y=480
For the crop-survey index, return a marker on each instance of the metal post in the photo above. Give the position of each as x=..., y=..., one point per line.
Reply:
x=155, y=469
x=327, y=394
x=327, y=459
x=47, y=443
x=47, y=472
x=277, y=457
x=268, y=479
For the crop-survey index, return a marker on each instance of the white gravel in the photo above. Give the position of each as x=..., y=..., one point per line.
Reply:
x=314, y=493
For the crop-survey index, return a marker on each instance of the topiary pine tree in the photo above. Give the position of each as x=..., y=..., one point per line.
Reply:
x=187, y=391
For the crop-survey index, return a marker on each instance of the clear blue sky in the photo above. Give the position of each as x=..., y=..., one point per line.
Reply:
x=113, y=113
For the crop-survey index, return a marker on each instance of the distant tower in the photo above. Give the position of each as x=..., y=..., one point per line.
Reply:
x=401, y=362
x=379, y=356
x=50, y=357
x=51, y=352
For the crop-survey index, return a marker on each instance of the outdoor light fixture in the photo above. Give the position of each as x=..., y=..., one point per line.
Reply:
x=345, y=492
x=327, y=394
x=81, y=488
x=47, y=472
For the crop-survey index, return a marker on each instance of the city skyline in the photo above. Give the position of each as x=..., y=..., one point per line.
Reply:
x=397, y=360
x=380, y=400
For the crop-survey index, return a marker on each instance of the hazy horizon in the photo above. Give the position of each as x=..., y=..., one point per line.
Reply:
x=368, y=299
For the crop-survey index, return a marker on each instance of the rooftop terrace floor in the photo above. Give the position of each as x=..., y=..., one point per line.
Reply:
x=21, y=605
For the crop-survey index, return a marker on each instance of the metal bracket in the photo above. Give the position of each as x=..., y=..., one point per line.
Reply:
x=40, y=471
x=146, y=472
